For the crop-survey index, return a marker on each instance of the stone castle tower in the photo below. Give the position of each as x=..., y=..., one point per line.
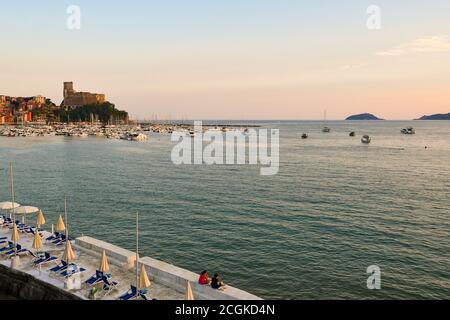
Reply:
x=73, y=99
x=68, y=89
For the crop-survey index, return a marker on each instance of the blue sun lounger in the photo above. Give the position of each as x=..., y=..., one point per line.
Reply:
x=53, y=237
x=59, y=268
x=109, y=284
x=72, y=271
x=9, y=247
x=95, y=279
x=131, y=294
x=12, y=250
x=19, y=252
x=60, y=241
x=47, y=258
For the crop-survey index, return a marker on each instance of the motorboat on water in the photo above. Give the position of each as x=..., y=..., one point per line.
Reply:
x=366, y=139
x=408, y=130
x=140, y=137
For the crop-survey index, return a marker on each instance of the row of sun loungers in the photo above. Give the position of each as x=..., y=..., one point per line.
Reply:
x=11, y=250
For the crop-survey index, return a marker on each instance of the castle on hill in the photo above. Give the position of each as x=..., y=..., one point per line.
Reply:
x=74, y=99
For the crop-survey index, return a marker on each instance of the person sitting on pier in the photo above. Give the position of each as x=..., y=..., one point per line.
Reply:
x=216, y=282
x=204, y=278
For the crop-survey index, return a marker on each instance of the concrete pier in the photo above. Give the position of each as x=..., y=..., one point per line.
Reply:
x=168, y=282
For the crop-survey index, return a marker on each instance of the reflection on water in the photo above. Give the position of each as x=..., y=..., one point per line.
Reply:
x=335, y=207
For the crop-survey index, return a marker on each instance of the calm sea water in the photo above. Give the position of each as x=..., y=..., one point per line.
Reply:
x=335, y=208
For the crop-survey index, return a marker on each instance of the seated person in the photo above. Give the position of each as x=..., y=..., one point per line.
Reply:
x=216, y=282
x=204, y=279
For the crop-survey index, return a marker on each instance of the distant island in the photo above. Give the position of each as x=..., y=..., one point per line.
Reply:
x=363, y=116
x=436, y=117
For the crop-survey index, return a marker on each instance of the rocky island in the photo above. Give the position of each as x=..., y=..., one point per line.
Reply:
x=436, y=117
x=363, y=117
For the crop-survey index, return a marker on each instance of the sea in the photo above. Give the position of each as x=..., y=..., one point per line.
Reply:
x=335, y=208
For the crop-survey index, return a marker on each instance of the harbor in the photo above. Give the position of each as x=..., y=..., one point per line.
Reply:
x=132, y=132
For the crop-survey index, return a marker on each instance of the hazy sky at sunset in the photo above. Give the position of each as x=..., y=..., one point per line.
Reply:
x=234, y=59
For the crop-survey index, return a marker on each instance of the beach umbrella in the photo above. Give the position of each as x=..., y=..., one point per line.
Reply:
x=26, y=210
x=40, y=219
x=37, y=243
x=15, y=234
x=104, y=265
x=189, y=295
x=60, y=226
x=8, y=205
x=68, y=254
x=144, y=282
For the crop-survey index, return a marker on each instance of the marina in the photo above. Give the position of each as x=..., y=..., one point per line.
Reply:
x=137, y=132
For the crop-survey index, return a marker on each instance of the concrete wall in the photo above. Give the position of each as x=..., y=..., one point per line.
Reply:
x=19, y=285
x=116, y=255
x=161, y=272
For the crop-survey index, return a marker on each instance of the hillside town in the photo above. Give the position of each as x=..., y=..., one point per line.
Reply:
x=75, y=107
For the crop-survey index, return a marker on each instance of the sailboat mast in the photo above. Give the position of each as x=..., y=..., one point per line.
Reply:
x=65, y=218
x=137, y=250
x=12, y=195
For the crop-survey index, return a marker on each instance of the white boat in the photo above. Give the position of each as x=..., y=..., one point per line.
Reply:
x=325, y=129
x=408, y=130
x=139, y=137
x=366, y=139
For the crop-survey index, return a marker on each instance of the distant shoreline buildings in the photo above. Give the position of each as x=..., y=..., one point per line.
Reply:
x=41, y=109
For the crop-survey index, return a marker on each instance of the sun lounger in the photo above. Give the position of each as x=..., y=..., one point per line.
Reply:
x=47, y=258
x=59, y=268
x=72, y=271
x=53, y=237
x=8, y=247
x=130, y=295
x=134, y=294
x=12, y=250
x=109, y=284
x=95, y=279
x=21, y=253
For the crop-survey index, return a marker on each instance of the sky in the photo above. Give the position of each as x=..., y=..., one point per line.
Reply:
x=234, y=59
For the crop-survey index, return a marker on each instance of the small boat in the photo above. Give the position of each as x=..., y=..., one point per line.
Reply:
x=305, y=136
x=139, y=137
x=366, y=139
x=352, y=134
x=408, y=130
x=326, y=130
